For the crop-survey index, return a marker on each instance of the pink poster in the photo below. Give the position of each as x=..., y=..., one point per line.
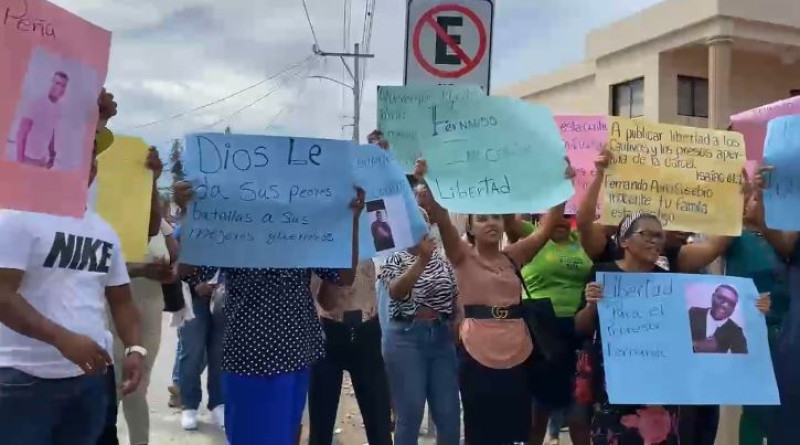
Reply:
x=52, y=67
x=753, y=124
x=585, y=137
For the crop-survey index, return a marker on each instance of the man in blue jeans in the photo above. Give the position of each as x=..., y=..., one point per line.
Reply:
x=56, y=276
x=201, y=344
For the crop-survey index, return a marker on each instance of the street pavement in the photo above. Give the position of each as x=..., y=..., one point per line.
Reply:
x=165, y=422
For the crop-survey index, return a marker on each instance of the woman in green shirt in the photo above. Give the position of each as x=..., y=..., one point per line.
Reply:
x=558, y=273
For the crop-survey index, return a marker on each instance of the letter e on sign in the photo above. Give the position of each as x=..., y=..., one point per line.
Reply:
x=449, y=42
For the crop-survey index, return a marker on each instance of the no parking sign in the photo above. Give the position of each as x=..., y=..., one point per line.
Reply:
x=449, y=42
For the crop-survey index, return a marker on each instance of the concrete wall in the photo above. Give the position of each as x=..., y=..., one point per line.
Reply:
x=579, y=97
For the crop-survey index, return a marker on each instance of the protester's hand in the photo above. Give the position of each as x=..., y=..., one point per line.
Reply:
x=594, y=293
x=384, y=144
x=435, y=212
x=357, y=203
x=205, y=290
x=760, y=180
x=154, y=163
x=426, y=248
x=84, y=352
x=131, y=373
x=159, y=270
x=420, y=168
x=107, y=106
x=569, y=173
x=182, y=193
x=602, y=161
x=764, y=303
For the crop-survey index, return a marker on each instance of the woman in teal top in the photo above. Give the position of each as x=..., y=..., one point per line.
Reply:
x=752, y=256
x=559, y=273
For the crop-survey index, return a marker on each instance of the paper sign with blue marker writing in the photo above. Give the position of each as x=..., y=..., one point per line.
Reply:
x=491, y=155
x=265, y=201
x=391, y=220
x=782, y=154
x=676, y=339
x=404, y=110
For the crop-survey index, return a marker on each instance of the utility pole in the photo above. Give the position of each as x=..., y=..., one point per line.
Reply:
x=355, y=75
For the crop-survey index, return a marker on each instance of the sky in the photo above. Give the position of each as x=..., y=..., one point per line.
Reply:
x=170, y=56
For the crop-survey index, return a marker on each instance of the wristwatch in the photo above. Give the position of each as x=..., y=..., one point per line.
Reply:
x=138, y=349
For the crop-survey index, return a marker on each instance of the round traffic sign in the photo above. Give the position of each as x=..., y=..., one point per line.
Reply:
x=470, y=62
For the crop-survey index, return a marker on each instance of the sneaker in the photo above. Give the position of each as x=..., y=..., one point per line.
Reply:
x=174, y=397
x=218, y=414
x=189, y=419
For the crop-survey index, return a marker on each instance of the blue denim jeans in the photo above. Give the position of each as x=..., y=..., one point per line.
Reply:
x=36, y=411
x=422, y=364
x=176, y=368
x=201, y=344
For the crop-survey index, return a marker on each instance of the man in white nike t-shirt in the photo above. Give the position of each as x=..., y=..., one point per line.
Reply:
x=36, y=144
x=56, y=276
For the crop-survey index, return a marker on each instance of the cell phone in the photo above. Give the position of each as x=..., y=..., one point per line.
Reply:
x=353, y=318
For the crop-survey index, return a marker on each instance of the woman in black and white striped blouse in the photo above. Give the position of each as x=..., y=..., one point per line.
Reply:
x=419, y=349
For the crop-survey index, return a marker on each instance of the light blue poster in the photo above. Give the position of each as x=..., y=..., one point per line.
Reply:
x=404, y=110
x=265, y=201
x=494, y=155
x=391, y=220
x=782, y=153
x=677, y=339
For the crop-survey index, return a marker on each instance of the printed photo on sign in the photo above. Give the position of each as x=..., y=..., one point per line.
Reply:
x=379, y=225
x=715, y=319
x=389, y=224
x=52, y=115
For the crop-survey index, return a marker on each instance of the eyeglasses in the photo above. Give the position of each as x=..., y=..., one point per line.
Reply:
x=656, y=237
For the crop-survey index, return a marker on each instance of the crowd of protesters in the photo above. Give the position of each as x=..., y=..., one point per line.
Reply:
x=493, y=326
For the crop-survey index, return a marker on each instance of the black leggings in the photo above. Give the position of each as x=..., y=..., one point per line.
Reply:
x=497, y=402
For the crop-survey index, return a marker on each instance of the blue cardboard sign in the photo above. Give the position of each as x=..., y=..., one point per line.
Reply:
x=265, y=201
x=676, y=339
x=391, y=219
x=782, y=154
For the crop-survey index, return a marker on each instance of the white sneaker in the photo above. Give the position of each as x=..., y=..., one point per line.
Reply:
x=189, y=419
x=218, y=414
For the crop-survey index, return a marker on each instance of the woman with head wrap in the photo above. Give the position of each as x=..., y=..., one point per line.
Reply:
x=597, y=239
x=640, y=238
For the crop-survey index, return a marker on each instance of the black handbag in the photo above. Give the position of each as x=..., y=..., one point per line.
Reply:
x=173, y=296
x=540, y=317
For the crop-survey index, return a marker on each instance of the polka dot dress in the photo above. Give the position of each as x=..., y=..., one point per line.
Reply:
x=272, y=325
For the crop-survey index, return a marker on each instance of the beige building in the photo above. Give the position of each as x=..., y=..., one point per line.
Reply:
x=686, y=62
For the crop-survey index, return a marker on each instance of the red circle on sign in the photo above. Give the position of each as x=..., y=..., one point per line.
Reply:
x=469, y=63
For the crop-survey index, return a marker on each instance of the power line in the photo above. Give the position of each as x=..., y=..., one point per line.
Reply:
x=261, y=82
x=366, y=37
x=258, y=100
x=310, y=24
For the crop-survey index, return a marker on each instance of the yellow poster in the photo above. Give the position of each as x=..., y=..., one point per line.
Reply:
x=690, y=177
x=124, y=189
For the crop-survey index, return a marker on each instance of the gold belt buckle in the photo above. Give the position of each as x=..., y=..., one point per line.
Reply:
x=500, y=312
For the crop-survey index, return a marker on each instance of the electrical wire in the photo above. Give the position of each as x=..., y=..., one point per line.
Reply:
x=366, y=40
x=259, y=99
x=261, y=82
x=310, y=23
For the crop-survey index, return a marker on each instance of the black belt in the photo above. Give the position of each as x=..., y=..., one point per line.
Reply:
x=493, y=312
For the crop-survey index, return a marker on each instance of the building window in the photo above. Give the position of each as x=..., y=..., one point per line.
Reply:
x=692, y=96
x=627, y=99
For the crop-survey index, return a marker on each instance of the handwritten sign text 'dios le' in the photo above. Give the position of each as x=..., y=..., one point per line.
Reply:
x=264, y=201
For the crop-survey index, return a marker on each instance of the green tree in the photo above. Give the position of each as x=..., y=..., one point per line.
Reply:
x=175, y=155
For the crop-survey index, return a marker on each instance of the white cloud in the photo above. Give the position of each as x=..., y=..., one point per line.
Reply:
x=169, y=56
